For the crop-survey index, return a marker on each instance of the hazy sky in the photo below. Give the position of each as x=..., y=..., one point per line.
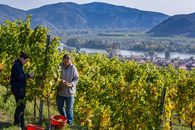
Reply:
x=170, y=7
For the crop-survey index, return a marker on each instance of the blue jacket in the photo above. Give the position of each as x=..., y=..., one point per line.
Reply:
x=18, y=77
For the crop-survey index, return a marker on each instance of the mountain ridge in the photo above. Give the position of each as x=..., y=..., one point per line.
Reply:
x=183, y=24
x=95, y=15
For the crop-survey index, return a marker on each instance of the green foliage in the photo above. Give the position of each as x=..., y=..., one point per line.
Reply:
x=130, y=41
x=130, y=94
x=111, y=94
x=17, y=36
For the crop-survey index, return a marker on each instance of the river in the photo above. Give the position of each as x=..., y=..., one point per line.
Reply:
x=136, y=53
x=139, y=53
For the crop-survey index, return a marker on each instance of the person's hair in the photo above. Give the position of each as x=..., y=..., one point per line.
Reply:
x=23, y=55
x=67, y=56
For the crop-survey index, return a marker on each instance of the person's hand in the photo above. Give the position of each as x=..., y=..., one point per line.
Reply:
x=66, y=83
x=62, y=81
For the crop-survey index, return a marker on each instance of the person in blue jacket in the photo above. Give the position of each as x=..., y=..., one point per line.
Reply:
x=18, y=85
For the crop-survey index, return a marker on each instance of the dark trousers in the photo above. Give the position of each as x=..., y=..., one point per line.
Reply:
x=19, y=95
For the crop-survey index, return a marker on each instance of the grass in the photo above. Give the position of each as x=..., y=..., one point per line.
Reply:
x=179, y=127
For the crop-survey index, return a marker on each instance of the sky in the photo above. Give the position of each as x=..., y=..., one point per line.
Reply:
x=170, y=7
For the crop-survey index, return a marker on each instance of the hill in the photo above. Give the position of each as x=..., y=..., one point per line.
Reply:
x=62, y=16
x=9, y=13
x=175, y=25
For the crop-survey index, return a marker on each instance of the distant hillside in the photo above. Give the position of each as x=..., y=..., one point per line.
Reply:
x=9, y=13
x=95, y=15
x=175, y=25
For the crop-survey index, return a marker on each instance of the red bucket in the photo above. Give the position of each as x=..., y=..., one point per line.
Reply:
x=58, y=121
x=34, y=127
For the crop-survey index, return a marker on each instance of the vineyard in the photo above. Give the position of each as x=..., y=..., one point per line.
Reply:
x=111, y=93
